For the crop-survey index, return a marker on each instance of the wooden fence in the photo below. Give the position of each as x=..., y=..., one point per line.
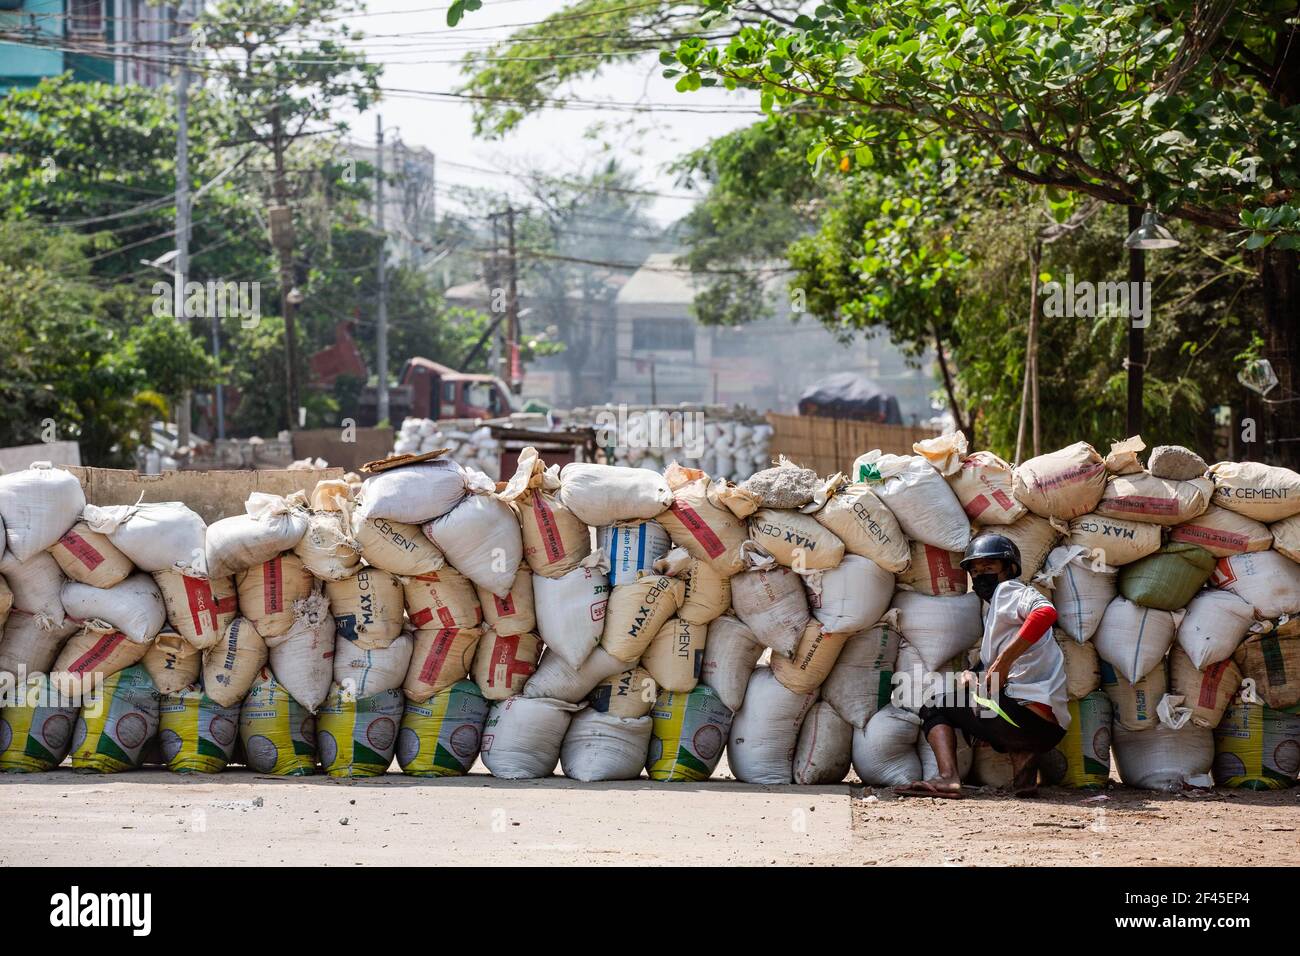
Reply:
x=828, y=445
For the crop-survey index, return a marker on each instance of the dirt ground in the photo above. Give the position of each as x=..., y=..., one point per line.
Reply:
x=152, y=816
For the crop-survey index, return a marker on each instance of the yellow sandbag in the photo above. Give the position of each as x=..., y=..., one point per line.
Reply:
x=277, y=733
x=367, y=608
x=196, y=734
x=35, y=726
x=441, y=737
x=231, y=667
x=357, y=737
x=1082, y=758
x=688, y=736
x=117, y=719
x=707, y=594
x=1082, y=667
x=1257, y=748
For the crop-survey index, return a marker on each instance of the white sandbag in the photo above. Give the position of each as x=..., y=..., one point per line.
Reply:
x=632, y=547
x=772, y=603
x=29, y=648
x=884, y=752
x=37, y=506
x=983, y=486
x=1215, y=623
x=1082, y=666
x=570, y=610
x=606, y=494
x=851, y=597
x=1081, y=590
x=302, y=659
x=1063, y=484
x=730, y=653
x=824, y=749
x=1034, y=537
x=856, y=515
x=523, y=736
x=90, y=558
x=1134, y=639
x=1162, y=758
x=1222, y=532
x=162, y=536
x=396, y=547
x=939, y=627
x=1114, y=541
x=555, y=678
x=328, y=548
x=1267, y=581
x=925, y=506
x=943, y=452
x=481, y=538
x=270, y=525
x=765, y=732
x=413, y=494
x=135, y=607
x=601, y=746
x=363, y=671
x=1144, y=497
x=1284, y=536
x=859, y=683
x=1266, y=493
x=37, y=586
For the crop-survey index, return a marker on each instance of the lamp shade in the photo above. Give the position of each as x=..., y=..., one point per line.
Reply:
x=1150, y=234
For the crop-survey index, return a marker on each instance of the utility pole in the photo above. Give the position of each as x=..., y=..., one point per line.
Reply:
x=282, y=238
x=515, y=377
x=182, y=208
x=381, y=335
x=1137, y=274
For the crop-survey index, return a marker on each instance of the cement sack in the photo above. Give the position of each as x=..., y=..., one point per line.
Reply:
x=1222, y=533
x=555, y=539
x=925, y=506
x=442, y=656
x=356, y=736
x=35, y=727
x=601, y=746
x=1133, y=639
x=270, y=525
x=367, y=607
x=268, y=592
x=824, y=750
x=92, y=655
x=1285, y=537
x=1215, y=624
x=990, y=768
x=514, y=612
x=413, y=494
x=524, y=735
x=117, y=719
x=814, y=656
x=200, y=609
x=765, y=731
x=397, y=548
x=1271, y=664
x=1167, y=579
x=983, y=485
x=277, y=734
x=1266, y=493
x=1113, y=541
x=1265, y=580
x=605, y=494
x=1123, y=456
x=688, y=734
x=1207, y=692
x=786, y=485
x=943, y=452
x=851, y=597
x=443, y=598
x=939, y=627
x=195, y=733
x=796, y=540
x=481, y=538
x=707, y=518
x=571, y=611
x=1082, y=667
x=362, y=671
x=441, y=737
x=1081, y=590
x=90, y=558
x=707, y=594
x=857, y=516
x=675, y=656
x=1255, y=748
x=173, y=663
x=1176, y=462
x=303, y=658
x=1064, y=484
x=933, y=571
x=327, y=548
x=772, y=603
x=1144, y=497
x=135, y=606
x=632, y=548
x=230, y=667
x=503, y=663
x=730, y=653
x=28, y=648
x=1082, y=758
x=555, y=678
x=1163, y=758
x=637, y=612
x=1035, y=537
x=162, y=536
x=37, y=587
x=861, y=681
x=930, y=764
x=629, y=694
x=37, y=506
x=1134, y=704
x=884, y=752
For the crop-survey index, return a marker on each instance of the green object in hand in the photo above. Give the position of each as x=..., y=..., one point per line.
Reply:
x=993, y=706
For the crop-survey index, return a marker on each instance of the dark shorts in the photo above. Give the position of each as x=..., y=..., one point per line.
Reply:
x=1034, y=734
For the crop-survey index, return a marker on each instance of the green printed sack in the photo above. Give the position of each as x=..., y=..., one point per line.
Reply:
x=356, y=736
x=441, y=737
x=276, y=733
x=118, y=717
x=35, y=726
x=688, y=735
x=197, y=735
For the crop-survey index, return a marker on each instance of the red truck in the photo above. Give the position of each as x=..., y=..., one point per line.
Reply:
x=438, y=391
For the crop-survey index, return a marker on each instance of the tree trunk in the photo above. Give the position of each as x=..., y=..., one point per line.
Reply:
x=950, y=389
x=1280, y=275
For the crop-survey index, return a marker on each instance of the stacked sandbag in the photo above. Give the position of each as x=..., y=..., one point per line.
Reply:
x=1064, y=484
x=157, y=536
x=118, y=717
x=1035, y=537
x=919, y=497
x=133, y=606
x=1082, y=758
x=277, y=734
x=88, y=557
x=471, y=445
x=731, y=652
x=199, y=609
x=688, y=734
x=555, y=540
x=1134, y=703
x=707, y=594
x=356, y=736
x=1270, y=660
x=1200, y=695
x=824, y=749
x=268, y=592
x=554, y=677
x=795, y=540
x=708, y=517
x=765, y=731
x=523, y=736
x=95, y=653
x=1266, y=580
x=861, y=681
x=731, y=443
x=631, y=693
x=601, y=495
x=571, y=609
x=1082, y=667
x=885, y=752
x=603, y=746
x=934, y=571
x=328, y=548
x=674, y=657
x=939, y=627
x=231, y=666
x=270, y=526
x=1223, y=533
x=503, y=663
x=362, y=671
x=1134, y=639
x=1167, y=579
x=1214, y=626
x=37, y=507
x=984, y=486
x=1081, y=590
x=1144, y=497
x=36, y=588
x=481, y=538
x=636, y=613
x=632, y=547
x=1266, y=493
x=36, y=726
x=857, y=516
x=1113, y=542
x=441, y=737
x=772, y=603
x=412, y=491
x=172, y=662
x=367, y=607
x=302, y=658
x=513, y=612
x=1256, y=747
x=814, y=657
x=396, y=547
x=1164, y=758
x=196, y=734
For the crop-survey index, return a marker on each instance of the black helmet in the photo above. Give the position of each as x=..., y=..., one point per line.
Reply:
x=990, y=544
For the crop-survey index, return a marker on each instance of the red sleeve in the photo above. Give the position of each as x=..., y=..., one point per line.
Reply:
x=1036, y=624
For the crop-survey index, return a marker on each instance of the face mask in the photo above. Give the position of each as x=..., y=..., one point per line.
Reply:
x=984, y=585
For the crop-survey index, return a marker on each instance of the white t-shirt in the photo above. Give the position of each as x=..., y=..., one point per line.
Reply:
x=1039, y=673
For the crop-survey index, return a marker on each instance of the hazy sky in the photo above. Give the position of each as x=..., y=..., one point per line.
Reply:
x=420, y=52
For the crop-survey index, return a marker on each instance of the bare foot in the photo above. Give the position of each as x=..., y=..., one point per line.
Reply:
x=949, y=787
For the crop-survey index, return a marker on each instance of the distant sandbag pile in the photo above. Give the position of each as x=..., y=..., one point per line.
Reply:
x=614, y=621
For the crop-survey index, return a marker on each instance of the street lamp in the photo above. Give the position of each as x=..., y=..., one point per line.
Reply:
x=1150, y=233
x=1145, y=232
